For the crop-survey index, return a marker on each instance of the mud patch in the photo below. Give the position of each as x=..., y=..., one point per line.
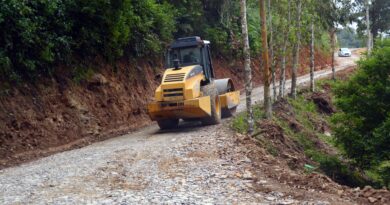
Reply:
x=323, y=102
x=278, y=144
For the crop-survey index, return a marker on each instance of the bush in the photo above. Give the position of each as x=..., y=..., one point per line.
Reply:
x=363, y=126
x=34, y=37
x=384, y=172
x=338, y=170
x=152, y=27
x=40, y=34
x=219, y=37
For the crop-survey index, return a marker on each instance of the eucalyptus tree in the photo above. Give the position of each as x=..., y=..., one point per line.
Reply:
x=369, y=35
x=373, y=18
x=248, y=70
x=380, y=17
x=271, y=49
x=312, y=21
x=312, y=50
x=364, y=11
x=266, y=68
x=333, y=13
x=283, y=54
x=296, y=49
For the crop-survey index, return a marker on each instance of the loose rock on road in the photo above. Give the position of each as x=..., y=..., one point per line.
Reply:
x=191, y=165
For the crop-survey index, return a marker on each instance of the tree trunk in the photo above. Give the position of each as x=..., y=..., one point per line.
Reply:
x=312, y=57
x=369, y=36
x=333, y=45
x=296, y=53
x=248, y=70
x=271, y=49
x=282, y=83
x=282, y=80
x=267, y=96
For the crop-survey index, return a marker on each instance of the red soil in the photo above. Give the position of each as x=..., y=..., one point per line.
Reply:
x=57, y=115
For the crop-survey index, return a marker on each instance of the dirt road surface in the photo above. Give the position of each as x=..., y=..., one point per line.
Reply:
x=191, y=165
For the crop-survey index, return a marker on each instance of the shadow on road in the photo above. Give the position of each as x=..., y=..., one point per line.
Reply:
x=184, y=127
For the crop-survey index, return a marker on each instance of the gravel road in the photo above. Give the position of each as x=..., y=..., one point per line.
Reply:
x=341, y=62
x=191, y=165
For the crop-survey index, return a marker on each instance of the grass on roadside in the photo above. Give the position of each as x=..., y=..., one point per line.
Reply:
x=307, y=115
x=240, y=124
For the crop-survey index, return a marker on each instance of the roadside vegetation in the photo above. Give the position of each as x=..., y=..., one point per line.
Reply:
x=362, y=127
x=305, y=131
x=348, y=141
x=349, y=38
x=40, y=38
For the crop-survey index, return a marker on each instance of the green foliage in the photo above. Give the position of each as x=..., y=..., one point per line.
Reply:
x=338, y=170
x=240, y=124
x=323, y=41
x=219, y=37
x=81, y=73
x=331, y=165
x=384, y=172
x=89, y=17
x=254, y=29
x=40, y=34
x=215, y=20
x=153, y=27
x=381, y=173
x=305, y=112
x=379, y=16
x=348, y=38
x=27, y=38
x=302, y=105
x=363, y=126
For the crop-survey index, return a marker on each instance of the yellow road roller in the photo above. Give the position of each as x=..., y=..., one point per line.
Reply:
x=189, y=89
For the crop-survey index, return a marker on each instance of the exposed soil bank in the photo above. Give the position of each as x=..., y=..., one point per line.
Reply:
x=57, y=114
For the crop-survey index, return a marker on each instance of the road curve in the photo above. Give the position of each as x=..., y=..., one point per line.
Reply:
x=342, y=63
x=191, y=165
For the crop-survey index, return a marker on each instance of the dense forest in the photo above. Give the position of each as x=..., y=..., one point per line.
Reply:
x=40, y=35
x=37, y=36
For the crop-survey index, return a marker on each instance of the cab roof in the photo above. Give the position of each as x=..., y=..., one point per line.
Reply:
x=189, y=42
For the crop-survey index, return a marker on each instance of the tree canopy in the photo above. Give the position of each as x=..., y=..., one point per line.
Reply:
x=379, y=16
x=39, y=35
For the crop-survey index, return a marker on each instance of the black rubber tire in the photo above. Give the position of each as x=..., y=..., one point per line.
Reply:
x=168, y=124
x=215, y=118
x=228, y=112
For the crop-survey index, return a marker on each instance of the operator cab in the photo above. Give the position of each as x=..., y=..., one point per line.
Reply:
x=191, y=51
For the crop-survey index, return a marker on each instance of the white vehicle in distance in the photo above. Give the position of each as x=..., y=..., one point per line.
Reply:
x=344, y=52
